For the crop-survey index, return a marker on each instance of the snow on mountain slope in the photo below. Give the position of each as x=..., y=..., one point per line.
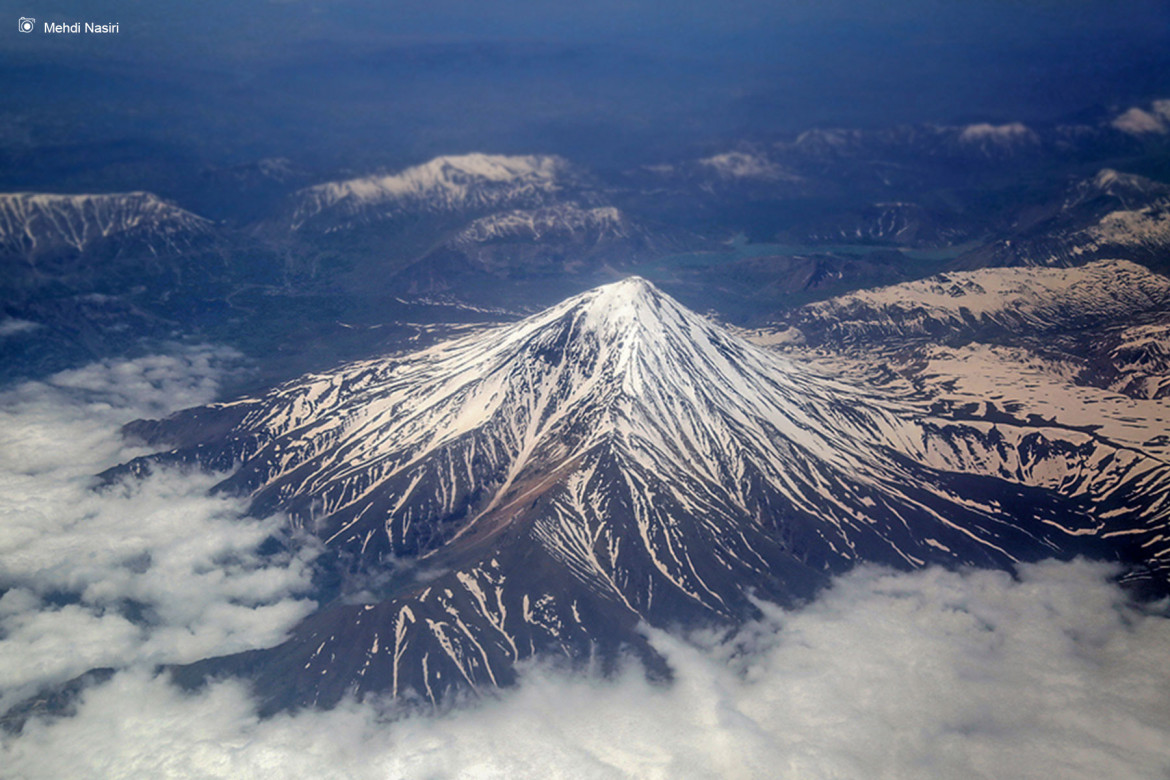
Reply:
x=1140, y=356
x=1141, y=234
x=979, y=141
x=1145, y=228
x=983, y=133
x=34, y=223
x=544, y=486
x=746, y=165
x=559, y=221
x=979, y=378
x=538, y=246
x=622, y=362
x=961, y=303
x=445, y=184
x=991, y=140
x=1140, y=121
x=1111, y=215
x=1121, y=191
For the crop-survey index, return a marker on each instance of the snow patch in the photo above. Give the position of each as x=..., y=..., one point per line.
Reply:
x=743, y=165
x=1012, y=133
x=1135, y=121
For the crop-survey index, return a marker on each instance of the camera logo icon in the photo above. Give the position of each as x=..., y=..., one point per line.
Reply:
x=25, y=25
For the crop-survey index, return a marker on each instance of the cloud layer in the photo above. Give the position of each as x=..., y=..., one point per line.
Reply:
x=145, y=571
x=888, y=675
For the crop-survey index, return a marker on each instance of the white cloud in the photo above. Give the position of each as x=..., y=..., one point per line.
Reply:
x=887, y=675
x=141, y=572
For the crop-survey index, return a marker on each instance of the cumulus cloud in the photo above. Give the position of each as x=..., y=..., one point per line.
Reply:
x=139, y=572
x=887, y=675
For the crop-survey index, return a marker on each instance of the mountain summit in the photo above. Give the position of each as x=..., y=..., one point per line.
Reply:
x=547, y=485
x=444, y=184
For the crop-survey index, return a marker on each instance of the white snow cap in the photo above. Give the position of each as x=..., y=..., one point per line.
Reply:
x=451, y=173
x=1013, y=132
x=742, y=165
x=1138, y=121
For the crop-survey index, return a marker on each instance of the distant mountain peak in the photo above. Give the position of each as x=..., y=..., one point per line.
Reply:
x=496, y=166
x=1010, y=133
x=1139, y=121
x=1113, y=182
x=746, y=165
x=447, y=183
x=32, y=222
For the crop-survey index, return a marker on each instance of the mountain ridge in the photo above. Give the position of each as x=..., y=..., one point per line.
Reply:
x=36, y=222
x=444, y=184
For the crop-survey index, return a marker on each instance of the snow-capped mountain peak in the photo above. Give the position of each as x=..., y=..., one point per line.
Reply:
x=446, y=183
x=631, y=307
x=33, y=222
x=613, y=459
x=746, y=165
x=1139, y=121
x=1129, y=189
x=984, y=133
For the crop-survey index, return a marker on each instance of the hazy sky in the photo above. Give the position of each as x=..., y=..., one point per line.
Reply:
x=357, y=81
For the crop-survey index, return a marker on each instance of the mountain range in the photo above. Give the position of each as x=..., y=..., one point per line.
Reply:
x=548, y=486
x=607, y=399
x=470, y=182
